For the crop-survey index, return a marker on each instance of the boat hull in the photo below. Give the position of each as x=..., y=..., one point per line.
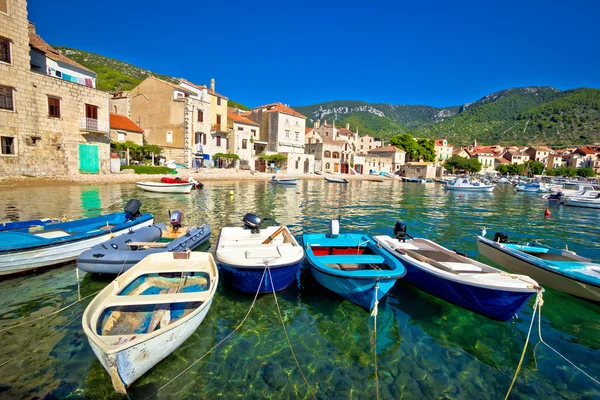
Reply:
x=541, y=275
x=581, y=203
x=30, y=259
x=500, y=305
x=358, y=291
x=284, y=182
x=471, y=189
x=248, y=280
x=157, y=187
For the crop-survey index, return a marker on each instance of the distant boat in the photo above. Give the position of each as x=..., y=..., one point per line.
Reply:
x=465, y=184
x=559, y=269
x=41, y=246
x=535, y=187
x=335, y=180
x=178, y=180
x=352, y=265
x=148, y=312
x=160, y=187
x=457, y=279
x=576, y=190
x=123, y=252
x=583, y=201
x=414, y=180
x=284, y=181
x=242, y=253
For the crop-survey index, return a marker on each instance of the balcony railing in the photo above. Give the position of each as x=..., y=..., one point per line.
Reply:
x=93, y=125
x=215, y=128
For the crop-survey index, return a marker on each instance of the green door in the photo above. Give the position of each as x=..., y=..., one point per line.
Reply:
x=89, y=162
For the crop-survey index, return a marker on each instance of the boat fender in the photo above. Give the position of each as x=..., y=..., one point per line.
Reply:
x=500, y=237
x=132, y=209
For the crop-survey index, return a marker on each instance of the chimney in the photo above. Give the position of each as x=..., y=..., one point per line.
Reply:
x=212, y=84
x=316, y=124
x=348, y=126
x=325, y=122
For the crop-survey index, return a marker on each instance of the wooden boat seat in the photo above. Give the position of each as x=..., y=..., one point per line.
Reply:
x=116, y=300
x=146, y=244
x=462, y=267
x=52, y=234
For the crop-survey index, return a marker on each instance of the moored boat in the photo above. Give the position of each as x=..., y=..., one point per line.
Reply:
x=457, y=279
x=178, y=180
x=466, y=185
x=583, y=201
x=29, y=224
x=414, y=180
x=559, y=269
x=148, y=312
x=160, y=187
x=123, y=252
x=336, y=180
x=283, y=181
x=41, y=246
x=533, y=187
x=352, y=265
x=243, y=252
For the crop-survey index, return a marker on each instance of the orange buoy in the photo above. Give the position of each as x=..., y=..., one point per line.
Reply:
x=460, y=195
x=547, y=213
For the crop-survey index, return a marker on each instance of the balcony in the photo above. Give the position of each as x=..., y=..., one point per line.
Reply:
x=220, y=129
x=93, y=125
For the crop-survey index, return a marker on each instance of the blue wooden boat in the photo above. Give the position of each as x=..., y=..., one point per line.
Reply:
x=352, y=265
x=242, y=254
x=560, y=269
x=457, y=279
x=34, y=247
x=15, y=225
x=123, y=252
x=283, y=181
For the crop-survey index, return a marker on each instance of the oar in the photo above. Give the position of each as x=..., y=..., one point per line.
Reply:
x=273, y=235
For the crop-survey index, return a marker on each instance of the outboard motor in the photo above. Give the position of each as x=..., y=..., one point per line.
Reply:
x=132, y=209
x=252, y=222
x=500, y=237
x=175, y=218
x=400, y=231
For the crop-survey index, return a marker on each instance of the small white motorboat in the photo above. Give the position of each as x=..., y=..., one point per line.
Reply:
x=465, y=184
x=145, y=314
x=583, y=201
x=335, y=180
x=160, y=187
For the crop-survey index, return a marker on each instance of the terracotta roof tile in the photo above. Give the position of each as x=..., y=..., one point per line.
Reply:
x=38, y=43
x=502, y=160
x=240, y=119
x=279, y=107
x=586, y=150
x=385, y=149
x=122, y=122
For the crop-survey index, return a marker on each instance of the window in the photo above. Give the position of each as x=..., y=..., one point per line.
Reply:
x=240, y=128
x=4, y=47
x=53, y=107
x=218, y=140
x=361, y=146
x=327, y=154
x=4, y=6
x=327, y=166
x=287, y=134
x=8, y=145
x=244, y=143
x=218, y=101
x=6, y=98
x=115, y=110
x=297, y=136
x=200, y=116
x=297, y=164
x=169, y=137
x=218, y=128
x=204, y=139
x=121, y=136
x=91, y=111
x=336, y=154
x=253, y=132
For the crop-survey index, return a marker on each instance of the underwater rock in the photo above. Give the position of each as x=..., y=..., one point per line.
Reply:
x=419, y=374
x=274, y=375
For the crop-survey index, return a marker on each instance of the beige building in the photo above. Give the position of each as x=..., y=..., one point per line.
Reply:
x=175, y=119
x=366, y=143
x=539, y=153
x=398, y=156
x=52, y=120
x=516, y=156
x=486, y=155
x=122, y=130
x=243, y=133
x=419, y=169
x=120, y=104
x=312, y=136
x=331, y=155
x=375, y=163
x=443, y=150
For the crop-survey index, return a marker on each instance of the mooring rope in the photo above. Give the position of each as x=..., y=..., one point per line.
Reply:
x=374, y=315
x=216, y=345
x=286, y=334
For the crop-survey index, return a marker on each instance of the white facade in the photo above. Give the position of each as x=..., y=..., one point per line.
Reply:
x=59, y=69
x=290, y=134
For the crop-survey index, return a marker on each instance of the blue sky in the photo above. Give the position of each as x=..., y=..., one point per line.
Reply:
x=402, y=52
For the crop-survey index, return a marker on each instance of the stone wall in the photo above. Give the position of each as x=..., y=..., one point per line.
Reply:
x=135, y=137
x=121, y=105
x=44, y=145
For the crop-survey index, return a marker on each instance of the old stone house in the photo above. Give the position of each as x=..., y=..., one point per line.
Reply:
x=122, y=129
x=120, y=103
x=398, y=156
x=331, y=155
x=421, y=169
x=312, y=136
x=366, y=143
x=243, y=133
x=516, y=156
x=376, y=163
x=539, y=153
x=52, y=119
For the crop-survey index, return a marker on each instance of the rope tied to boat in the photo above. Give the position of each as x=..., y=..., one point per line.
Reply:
x=286, y=333
x=374, y=313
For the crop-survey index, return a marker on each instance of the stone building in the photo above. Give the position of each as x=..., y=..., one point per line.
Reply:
x=331, y=155
x=243, y=133
x=398, y=156
x=120, y=103
x=52, y=119
x=376, y=163
x=366, y=143
x=312, y=136
x=175, y=118
x=419, y=169
x=539, y=153
x=516, y=156
x=122, y=129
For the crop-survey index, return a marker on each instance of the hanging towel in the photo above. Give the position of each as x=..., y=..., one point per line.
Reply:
x=66, y=77
x=73, y=79
x=89, y=82
x=81, y=81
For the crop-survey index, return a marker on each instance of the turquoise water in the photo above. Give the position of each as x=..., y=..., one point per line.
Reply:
x=426, y=348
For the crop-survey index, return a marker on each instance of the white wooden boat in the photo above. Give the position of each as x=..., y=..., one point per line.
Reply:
x=148, y=312
x=583, y=201
x=465, y=184
x=335, y=180
x=159, y=187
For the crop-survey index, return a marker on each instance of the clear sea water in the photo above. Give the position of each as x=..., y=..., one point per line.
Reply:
x=426, y=348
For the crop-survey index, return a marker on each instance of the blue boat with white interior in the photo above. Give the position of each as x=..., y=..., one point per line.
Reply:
x=33, y=247
x=16, y=225
x=457, y=279
x=352, y=265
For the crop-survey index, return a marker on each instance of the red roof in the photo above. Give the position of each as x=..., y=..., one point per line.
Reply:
x=308, y=130
x=123, y=123
x=586, y=150
x=440, y=142
x=240, y=119
x=502, y=160
x=282, y=108
x=385, y=149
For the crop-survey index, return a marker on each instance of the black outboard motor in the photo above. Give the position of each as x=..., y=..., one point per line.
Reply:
x=175, y=218
x=400, y=231
x=500, y=237
x=132, y=209
x=252, y=222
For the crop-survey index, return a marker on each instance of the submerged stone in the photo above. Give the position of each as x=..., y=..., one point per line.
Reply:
x=274, y=375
